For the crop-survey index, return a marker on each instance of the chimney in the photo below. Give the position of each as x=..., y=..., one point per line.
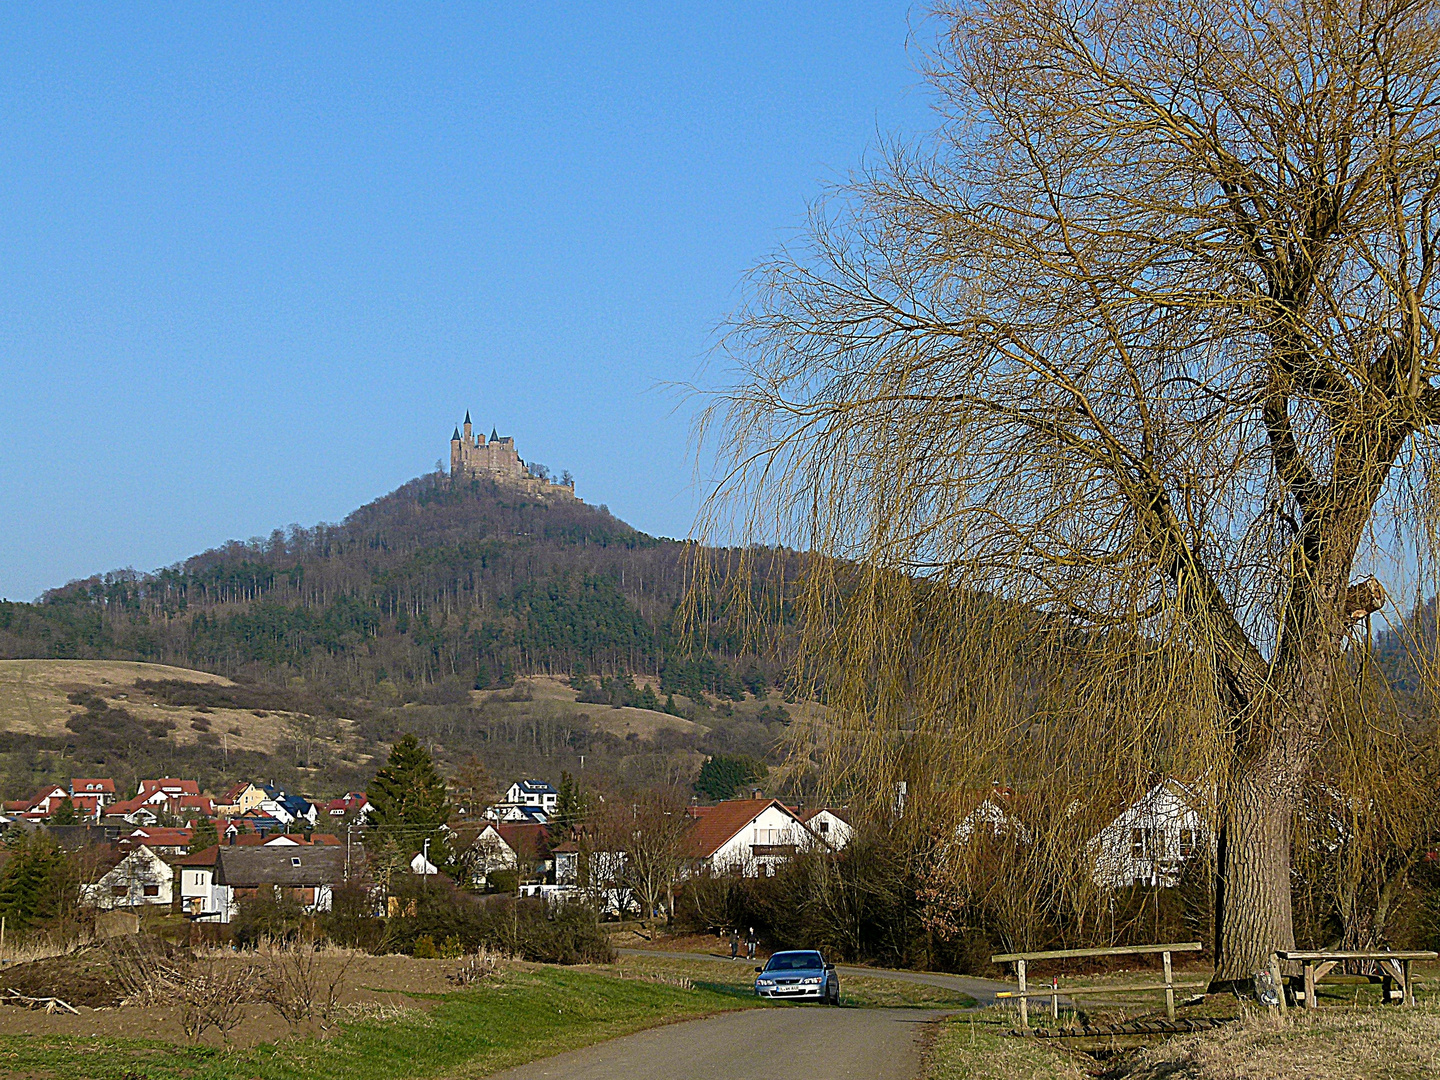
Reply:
x=755, y=793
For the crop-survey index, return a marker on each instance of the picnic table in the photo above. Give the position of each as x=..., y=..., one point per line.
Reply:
x=1317, y=963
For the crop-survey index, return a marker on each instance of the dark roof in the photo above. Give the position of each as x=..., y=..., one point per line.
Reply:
x=455, y=437
x=494, y=434
x=467, y=416
x=246, y=867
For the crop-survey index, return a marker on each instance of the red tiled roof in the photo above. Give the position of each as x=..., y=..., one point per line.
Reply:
x=714, y=825
x=524, y=839
x=125, y=806
x=102, y=785
x=204, y=857
x=158, y=837
x=185, y=787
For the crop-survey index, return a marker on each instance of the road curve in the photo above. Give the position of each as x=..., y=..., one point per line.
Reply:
x=755, y=1044
x=982, y=990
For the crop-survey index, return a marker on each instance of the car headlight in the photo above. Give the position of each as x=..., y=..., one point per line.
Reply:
x=764, y=982
x=813, y=982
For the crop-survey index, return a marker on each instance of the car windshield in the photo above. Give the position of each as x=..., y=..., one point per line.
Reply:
x=795, y=961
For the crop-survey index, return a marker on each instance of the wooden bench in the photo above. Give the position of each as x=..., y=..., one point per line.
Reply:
x=1023, y=995
x=1317, y=963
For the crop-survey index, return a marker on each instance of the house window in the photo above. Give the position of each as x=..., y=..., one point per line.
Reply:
x=152, y=890
x=294, y=862
x=824, y=827
x=119, y=890
x=1142, y=843
x=1187, y=843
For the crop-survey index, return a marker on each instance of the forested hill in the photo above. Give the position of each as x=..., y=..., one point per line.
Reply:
x=434, y=584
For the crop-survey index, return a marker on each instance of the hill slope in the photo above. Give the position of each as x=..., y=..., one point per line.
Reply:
x=418, y=612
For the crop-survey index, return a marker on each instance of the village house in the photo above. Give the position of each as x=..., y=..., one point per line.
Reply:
x=162, y=841
x=488, y=854
x=240, y=799
x=142, y=877
x=747, y=836
x=307, y=874
x=354, y=803
x=526, y=801
x=46, y=801
x=827, y=825
x=90, y=796
x=1150, y=841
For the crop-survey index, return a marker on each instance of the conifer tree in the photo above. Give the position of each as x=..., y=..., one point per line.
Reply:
x=408, y=802
x=204, y=834
x=65, y=814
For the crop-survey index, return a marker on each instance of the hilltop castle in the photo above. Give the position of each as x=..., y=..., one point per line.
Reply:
x=471, y=455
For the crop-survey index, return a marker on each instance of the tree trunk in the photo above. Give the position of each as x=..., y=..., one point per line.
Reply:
x=1252, y=903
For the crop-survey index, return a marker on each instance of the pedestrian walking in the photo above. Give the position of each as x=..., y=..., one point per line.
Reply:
x=750, y=943
x=734, y=944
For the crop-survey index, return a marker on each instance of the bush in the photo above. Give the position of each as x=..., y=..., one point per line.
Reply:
x=351, y=920
x=464, y=922
x=266, y=916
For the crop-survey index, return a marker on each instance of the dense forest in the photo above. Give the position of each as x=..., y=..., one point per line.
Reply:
x=436, y=583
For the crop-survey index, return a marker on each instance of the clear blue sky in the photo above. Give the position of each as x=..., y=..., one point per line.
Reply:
x=256, y=261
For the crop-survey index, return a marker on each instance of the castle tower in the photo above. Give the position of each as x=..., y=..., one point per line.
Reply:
x=468, y=437
x=456, y=457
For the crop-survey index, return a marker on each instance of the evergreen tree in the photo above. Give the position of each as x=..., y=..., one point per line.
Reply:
x=408, y=803
x=32, y=883
x=570, y=807
x=204, y=834
x=65, y=814
x=722, y=775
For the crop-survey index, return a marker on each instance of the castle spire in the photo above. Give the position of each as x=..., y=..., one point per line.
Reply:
x=494, y=434
x=455, y=437
x=467, y=416
x=468, y=438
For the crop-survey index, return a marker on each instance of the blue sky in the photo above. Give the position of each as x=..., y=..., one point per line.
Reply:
x=256, y=261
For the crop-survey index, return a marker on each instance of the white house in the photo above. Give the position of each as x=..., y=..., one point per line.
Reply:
x=201, y=898
x=536, y=793
x=1150, y=841
x=991, y=816
x=488, y=854
x=829, y=826
x=748, y=836
x=141, y=877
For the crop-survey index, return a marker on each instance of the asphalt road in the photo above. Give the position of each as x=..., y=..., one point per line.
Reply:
x=756, y=1044
x=982, y=990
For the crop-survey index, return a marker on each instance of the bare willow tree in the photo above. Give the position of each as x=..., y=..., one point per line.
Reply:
x=1097, y=402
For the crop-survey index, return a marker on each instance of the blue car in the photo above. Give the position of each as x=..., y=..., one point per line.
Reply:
x=802, y=975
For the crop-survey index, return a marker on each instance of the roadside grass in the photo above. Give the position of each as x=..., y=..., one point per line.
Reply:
x=737, y=980
x=517, y=1018
x=1341, y=1043
x=1338, y=1043
x=975, y=1047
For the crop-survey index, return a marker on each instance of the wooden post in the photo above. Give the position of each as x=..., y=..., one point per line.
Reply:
x=1310, y=1001
x=1409, y=994
x=1024, y=1007
x=1055, y=998
x=1169, y=987
x=2, y=938
x=1278, y=979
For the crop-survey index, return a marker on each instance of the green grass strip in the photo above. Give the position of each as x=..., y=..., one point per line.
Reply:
x=469, y=1033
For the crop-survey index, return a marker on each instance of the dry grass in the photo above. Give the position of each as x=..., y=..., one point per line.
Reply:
x=34, y=701
x=1339, y=1044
